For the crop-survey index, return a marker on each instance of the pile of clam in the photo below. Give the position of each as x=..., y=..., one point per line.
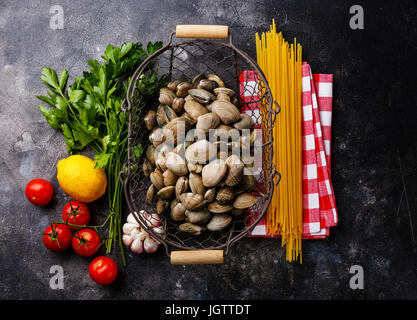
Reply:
x=198, y=181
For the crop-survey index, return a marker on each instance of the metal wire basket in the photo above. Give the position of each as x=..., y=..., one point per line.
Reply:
x=186, y=59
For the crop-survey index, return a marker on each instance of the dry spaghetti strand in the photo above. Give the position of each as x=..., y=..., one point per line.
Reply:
x=281, y=64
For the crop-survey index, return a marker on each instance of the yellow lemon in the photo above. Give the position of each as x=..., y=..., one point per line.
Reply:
x=80, y=180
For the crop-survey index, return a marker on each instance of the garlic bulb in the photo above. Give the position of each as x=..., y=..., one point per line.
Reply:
x=137, y=239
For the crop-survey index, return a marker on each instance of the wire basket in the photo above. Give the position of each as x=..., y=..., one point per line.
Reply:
x=187, y=59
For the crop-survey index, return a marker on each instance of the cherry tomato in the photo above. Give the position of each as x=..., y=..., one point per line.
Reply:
x=103, y=270
x=76, y=212
x=39, y=192
x=57, y=237
x=86, y=242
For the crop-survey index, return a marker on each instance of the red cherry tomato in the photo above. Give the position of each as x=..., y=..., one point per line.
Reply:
x=103, y=270
x=86, y=242
x=39, y=192
x=76, y=212
x=57, y=237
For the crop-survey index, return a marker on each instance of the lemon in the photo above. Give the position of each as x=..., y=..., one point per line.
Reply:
x=80, y=180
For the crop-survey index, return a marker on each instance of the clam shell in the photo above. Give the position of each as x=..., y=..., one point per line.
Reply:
x=160, y=162
x=157, y=179
x=226, y=91
x=187, y=116
x=162, y=206
x=208, y=85
x=147, y=167
x=182, y=89
x=181, y=186
x=159, y=135
x=245, y=122
x=166, y=96
x=178, y=105
x=216, y=207
x=216, y=79
x=177, y=129
x=225, y=195
x=194, y=167
x=244, y=200
x=208, y=121
x=177, y=210
x=173, y=85
x=196, y=184
x=227, y=112
x=219, y=222
x=150, y=154
x=196, y=80
x=192, y=201
x=194, y=109
x=210, y=195
x=201, y=95
x=151, y=194
x=223, y=97
x=235, y=170
x=170, y=178
x=191, y=228
x=198, y=217
x=247, y=183
x=150, y=119
x=166, y=193
x=165, y=114
x=200, y=152
x=176, y=164
x=213, y=173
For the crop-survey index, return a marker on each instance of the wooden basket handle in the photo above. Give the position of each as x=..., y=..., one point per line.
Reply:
x=202, y=31
x=197, y=257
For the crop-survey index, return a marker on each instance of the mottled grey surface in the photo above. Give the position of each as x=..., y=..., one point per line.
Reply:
x=374, y=130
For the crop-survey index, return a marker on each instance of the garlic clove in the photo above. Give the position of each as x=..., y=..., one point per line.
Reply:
x=136, y=233
x=142, y=235
x=127, y=240
x=150, y=245
x=131, y=219
x=137, y=246
x=129, y=227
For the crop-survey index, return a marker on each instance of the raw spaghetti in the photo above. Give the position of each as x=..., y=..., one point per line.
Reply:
x=281, y=64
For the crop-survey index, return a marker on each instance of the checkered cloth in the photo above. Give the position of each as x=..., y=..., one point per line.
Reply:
x=319, y=205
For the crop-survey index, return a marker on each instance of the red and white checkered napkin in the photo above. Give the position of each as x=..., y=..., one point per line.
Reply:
x=319, y=205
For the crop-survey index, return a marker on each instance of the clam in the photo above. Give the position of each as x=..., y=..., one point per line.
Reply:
x=170, y=178
x=216, y=79
x=147, y=167
x=188, y=97
x=160, y=135
x=191, y=228
x=157, y=179
x=176, y=129
x=227, y=112
x=192, y=201
x=225, y=91
x=151, y=194
x=245, y=122
x=219, y=222
x=194, y=109
x=200, y=152
x=181, y=186
x=162, y=206
x=165, y=114
x=225, y=132
x=150, y=119
x=196, y=184
x=223, y=97
x=210, y=195
x=208, y=121
x=150, y=154
x=177, y=210
x=216, y=207
x=187, y=116
x=173, y=84
x=247, y=183
x=208, y=106
x=201, y=95
x=166, y=96
x=196, y=80
x=208, y=85
x=244, y=200
x=235, y=170
x=213, y=173
x=225, y=195
x=178, y=105
x=166, y=193
x=176, y=164
x=194, y=167
x=182, y=89
x=198, y=217
x=161, y=162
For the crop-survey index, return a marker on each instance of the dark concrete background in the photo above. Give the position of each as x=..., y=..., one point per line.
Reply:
x=374, y=149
